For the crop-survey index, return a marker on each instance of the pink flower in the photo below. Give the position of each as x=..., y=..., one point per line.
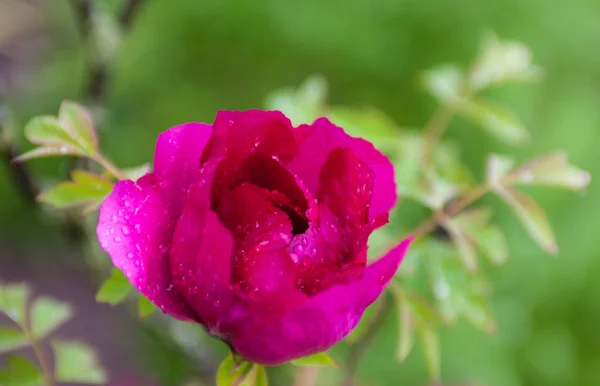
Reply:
x=257, y=230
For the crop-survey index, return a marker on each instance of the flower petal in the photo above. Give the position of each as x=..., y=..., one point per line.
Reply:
x=177, y=160
x=135, y=230
x=321, y=321
x=318, y=140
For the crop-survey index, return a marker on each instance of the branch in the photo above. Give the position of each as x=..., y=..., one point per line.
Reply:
x=129, y=11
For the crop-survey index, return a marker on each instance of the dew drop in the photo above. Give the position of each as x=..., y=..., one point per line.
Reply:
x=125, y=230
x=114, y=218
x=130, y=255
x=111, y=231
x=118, y=239
x=138, y=228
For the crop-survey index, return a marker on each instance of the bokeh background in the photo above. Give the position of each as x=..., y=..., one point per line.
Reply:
x=183, y=60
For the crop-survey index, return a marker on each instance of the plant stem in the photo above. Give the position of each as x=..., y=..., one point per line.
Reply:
x=359, y=348
x=434, y=130
x=452, y=209
x=110, y=167
x=40, y=355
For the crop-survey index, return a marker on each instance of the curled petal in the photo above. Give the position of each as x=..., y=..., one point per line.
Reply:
x=321, y=321
x=135, y=230
x=318, y=140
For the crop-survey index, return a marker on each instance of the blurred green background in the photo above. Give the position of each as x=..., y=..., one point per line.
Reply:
x=184, y=60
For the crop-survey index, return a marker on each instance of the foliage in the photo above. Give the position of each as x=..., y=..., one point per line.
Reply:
x=35, y=320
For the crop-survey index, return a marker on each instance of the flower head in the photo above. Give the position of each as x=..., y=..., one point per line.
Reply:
x=257, y=230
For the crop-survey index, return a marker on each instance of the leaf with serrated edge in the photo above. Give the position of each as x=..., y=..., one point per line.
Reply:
x=11, y=339
x=77, y=363
x=47, y=315
x=77, y=122
x=230, y=372
x=114, y=289
x=320, y=360
x=532, y=217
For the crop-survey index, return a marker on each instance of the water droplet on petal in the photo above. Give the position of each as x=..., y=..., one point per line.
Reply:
x=114, y=218
x=130, y=255
x=118, y=239
x=125, y=230
x=138, y=228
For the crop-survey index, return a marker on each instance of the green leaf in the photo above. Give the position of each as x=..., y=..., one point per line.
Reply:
x=367, y=122
x=464, y=243
x=498, y=168
x=48, y=314
x=256, y=377
x=13, y=301
x=302, y=105
x=19, y=371
x=48, y=132
x=138, y=171
x=114, y=290
x=84, y=189
x=444, y=82
x=47, y=151
x=145, y=307
x=551, y=170
x=230, y=371
x=11, y=339
x=501, y=61
x=319, y=360
x=496, y=120
x=76, y=362
x=432, y=352
x=532, y=217
x=77, y=123
x=492, y=243
x=459, y=292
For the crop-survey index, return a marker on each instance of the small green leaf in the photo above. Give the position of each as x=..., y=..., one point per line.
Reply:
x=492, y=243
x=85, y=189
x=230, y=372
x=13, y=301
x=47, y=151
x=256, y=377
x=319, y=360
x=48, y=314
x=501, y=61
x=138, y=171
x=47, y=132
x=302, y=105
x=145, y=307
x=11, y=339
x=459, y=292
x=464, y=243
x=495, y=120
x=77, y=122
x=444, y=82
x=498, y=168
x=19, y=371
x=114, y=290
x=76, y=362
x=532, y=217
x=551, y=170
x=432, y=352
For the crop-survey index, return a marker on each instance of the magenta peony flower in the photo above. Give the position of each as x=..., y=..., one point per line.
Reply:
x=257, y=230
